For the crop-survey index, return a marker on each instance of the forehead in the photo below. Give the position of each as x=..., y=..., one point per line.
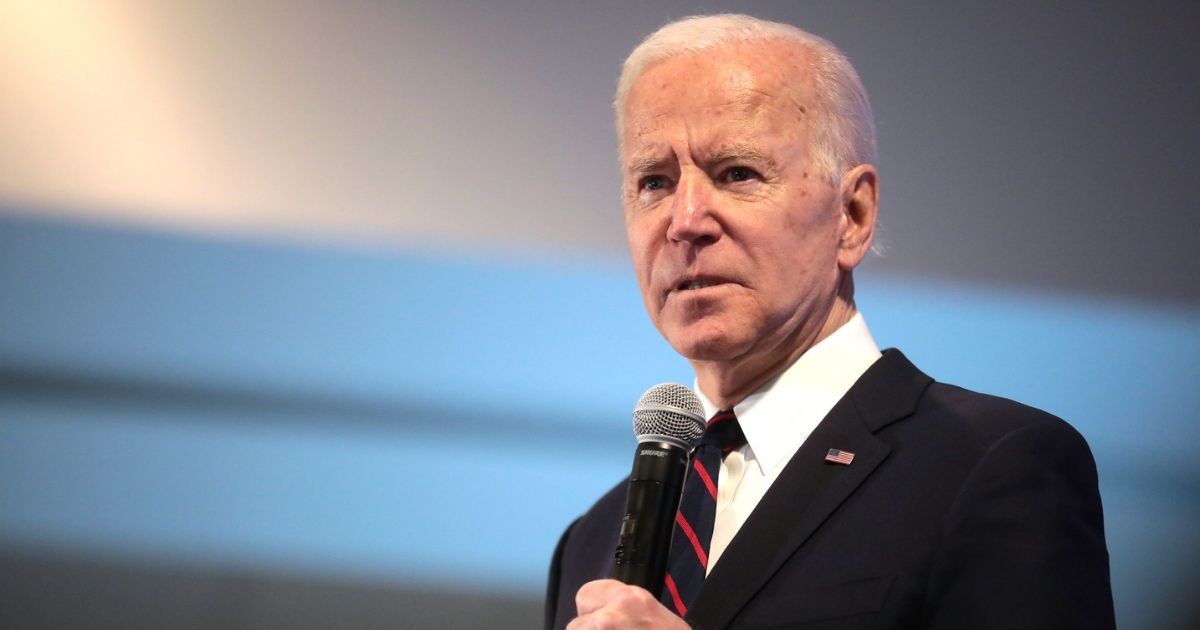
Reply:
x=734, y=89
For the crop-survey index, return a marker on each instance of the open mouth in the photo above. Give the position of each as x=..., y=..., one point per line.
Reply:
x=696, y=284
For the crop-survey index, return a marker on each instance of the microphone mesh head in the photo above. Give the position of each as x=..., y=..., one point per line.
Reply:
x=670, y=411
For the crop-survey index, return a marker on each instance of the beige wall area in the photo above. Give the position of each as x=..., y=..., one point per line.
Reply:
x=376, y=123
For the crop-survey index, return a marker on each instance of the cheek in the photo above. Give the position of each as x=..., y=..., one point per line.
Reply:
x=643, y=259
x=810, y=239
x=637, y=250
x=639, y=233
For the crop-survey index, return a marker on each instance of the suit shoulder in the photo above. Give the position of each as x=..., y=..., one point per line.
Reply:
x=608, y=507
x=594, y=534
x=988, y=418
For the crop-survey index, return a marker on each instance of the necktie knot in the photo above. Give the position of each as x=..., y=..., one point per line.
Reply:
x=723, y=432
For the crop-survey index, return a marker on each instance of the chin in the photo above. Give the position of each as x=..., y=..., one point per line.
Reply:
x=706, y=347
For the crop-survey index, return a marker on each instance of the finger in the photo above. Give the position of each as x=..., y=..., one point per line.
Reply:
x=595, y=595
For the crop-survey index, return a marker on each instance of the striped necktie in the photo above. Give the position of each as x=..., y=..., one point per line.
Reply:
x=688, y=559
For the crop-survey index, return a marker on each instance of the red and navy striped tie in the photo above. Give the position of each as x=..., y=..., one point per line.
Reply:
x=688, y=559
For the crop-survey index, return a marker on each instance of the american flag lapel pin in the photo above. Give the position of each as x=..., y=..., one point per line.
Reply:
x=836, y=456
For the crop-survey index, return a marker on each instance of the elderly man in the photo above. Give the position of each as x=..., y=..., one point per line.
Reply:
x=859, y=492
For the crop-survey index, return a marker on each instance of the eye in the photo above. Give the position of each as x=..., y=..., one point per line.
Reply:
x=740, y=174
x=654, y=182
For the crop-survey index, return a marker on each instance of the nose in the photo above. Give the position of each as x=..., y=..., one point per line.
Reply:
x=692, y=212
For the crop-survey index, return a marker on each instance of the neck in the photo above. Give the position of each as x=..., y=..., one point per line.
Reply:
x=727, y=383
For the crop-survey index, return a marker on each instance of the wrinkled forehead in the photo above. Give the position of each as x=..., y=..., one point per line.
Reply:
x=734, y=81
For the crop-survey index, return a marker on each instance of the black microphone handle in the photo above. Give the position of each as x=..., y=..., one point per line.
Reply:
x=655, y=485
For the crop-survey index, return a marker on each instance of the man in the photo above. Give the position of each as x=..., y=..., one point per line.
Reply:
x=750, y=196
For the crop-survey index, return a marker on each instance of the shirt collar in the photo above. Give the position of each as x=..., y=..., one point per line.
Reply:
x=782, y=413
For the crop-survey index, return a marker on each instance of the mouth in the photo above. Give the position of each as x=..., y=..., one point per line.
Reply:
x=694, y=284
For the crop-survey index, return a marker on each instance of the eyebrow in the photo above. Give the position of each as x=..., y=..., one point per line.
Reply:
x=647, y=163
x=738, y=152
x=723, y=153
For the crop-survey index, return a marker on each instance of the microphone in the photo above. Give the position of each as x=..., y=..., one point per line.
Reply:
x=668, y=422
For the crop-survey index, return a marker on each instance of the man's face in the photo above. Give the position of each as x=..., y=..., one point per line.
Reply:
x=734, y=234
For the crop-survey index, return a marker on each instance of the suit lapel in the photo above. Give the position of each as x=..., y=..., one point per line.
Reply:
x=808, y=490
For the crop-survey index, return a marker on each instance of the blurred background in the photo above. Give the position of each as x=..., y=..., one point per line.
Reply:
x=318, y=314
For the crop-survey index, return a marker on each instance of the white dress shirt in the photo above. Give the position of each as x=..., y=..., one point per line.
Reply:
x=779, y=417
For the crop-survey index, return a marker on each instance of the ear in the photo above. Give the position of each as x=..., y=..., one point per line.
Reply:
x=860, y=209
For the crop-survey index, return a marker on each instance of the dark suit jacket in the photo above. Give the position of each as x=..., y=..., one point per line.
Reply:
x=959, y=511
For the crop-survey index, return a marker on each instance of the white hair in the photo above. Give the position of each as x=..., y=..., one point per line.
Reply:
x=843, y=129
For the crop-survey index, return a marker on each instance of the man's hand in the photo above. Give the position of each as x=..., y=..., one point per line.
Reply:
x=612, y=605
